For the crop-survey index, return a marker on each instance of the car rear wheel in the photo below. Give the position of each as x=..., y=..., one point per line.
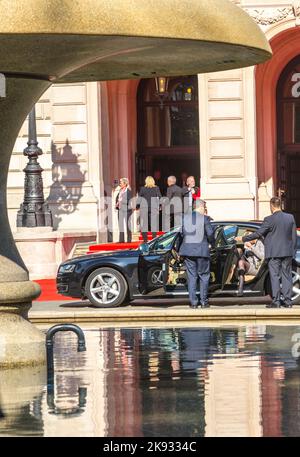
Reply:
x=296, y=287
x=106, y=288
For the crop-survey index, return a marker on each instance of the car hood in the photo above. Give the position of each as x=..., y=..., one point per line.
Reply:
x=99, y=255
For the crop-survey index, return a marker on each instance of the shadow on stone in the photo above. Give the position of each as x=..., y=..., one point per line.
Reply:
x=66, y=190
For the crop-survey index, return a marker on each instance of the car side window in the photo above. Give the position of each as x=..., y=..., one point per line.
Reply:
x=243, y=231
x=163, y=243
x=226, y=236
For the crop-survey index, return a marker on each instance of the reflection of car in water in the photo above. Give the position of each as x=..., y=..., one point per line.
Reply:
x=156, y=270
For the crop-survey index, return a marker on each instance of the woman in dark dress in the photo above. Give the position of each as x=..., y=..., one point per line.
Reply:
x=148, y=203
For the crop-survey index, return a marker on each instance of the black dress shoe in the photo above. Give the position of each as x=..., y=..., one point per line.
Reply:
x=285, y=305
x=193, y=306
x=204, y=305
x=272, y=305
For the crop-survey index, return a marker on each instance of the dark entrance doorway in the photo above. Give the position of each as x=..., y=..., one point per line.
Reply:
x=288, y=122
x=168, y=134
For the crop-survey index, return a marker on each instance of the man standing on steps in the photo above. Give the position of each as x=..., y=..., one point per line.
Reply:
x=280, y=240
x=174, y=202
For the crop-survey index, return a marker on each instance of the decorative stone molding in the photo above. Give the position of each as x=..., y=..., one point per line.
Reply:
x=296, y=10
x=272, y=15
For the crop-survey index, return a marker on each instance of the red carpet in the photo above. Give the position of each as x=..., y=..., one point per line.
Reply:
x=113, y=246
x=49, y=293
x=119, y=246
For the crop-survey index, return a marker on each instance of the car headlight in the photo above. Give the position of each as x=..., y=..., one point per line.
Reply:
x=69, y=268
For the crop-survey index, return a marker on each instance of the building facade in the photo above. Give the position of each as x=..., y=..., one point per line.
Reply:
x=237, y=131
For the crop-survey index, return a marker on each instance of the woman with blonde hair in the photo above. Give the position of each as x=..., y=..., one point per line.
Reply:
x=148, y=203
x=124, y=208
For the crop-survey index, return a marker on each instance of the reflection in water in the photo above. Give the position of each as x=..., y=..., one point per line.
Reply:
x=20, y=393
x=181, y=382
x=81, y=347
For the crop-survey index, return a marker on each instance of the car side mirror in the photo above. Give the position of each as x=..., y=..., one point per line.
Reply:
x=144, y=247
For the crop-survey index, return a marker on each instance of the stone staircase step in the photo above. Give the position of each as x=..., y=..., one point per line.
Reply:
x=80, y=249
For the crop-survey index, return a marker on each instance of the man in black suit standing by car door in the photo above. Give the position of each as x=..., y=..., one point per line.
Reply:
x=197, y=234
x=280, y=240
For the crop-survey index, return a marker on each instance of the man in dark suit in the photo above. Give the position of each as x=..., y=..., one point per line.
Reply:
x=174, y=201
x=280, y=240
x=197, y=235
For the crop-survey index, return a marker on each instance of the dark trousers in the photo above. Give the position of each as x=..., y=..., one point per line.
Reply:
x=280, y=269
x=149, y=222
x=172, y=217
x=198, y=268
x=175, y=220
x=124, y=221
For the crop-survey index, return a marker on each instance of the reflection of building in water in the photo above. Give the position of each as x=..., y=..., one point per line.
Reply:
x=291, y=403
x=161, y=382
x=232, y=397
x=257, y=395
x=281, y=384
x=270, y=399
x=124, y=413
x=172, y=381
x=74, y=370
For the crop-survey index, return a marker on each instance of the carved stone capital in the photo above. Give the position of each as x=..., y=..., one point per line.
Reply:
x=296, y=10
x=269, y=16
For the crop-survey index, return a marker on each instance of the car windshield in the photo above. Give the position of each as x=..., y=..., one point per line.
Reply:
x=163, y=242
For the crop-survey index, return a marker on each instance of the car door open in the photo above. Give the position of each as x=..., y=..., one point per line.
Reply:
x=224, y=256
x=150, y=265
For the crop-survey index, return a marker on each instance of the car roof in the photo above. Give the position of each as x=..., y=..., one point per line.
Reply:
x=247, y=222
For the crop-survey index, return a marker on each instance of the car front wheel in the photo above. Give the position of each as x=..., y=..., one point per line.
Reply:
x=106, y=288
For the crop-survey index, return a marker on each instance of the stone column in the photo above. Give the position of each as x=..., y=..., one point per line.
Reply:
x=20, y=342
x=228, y=173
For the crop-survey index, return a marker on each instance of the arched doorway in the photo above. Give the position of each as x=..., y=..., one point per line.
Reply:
x=288, y=137
x=168, y=134
x=284, y=40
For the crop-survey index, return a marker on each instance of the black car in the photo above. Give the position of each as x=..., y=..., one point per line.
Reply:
x=155, y=270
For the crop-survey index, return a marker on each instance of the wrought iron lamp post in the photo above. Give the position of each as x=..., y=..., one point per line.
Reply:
x=34, y=212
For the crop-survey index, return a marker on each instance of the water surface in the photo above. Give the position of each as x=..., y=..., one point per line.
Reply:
x=171, y=382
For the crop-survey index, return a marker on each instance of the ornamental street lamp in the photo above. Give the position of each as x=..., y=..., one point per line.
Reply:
x=162, y=93
x=34, y=212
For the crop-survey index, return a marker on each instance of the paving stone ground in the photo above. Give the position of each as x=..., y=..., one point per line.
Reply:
x=150, y=312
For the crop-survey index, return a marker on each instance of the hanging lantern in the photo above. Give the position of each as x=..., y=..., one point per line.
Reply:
x=161, y=83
